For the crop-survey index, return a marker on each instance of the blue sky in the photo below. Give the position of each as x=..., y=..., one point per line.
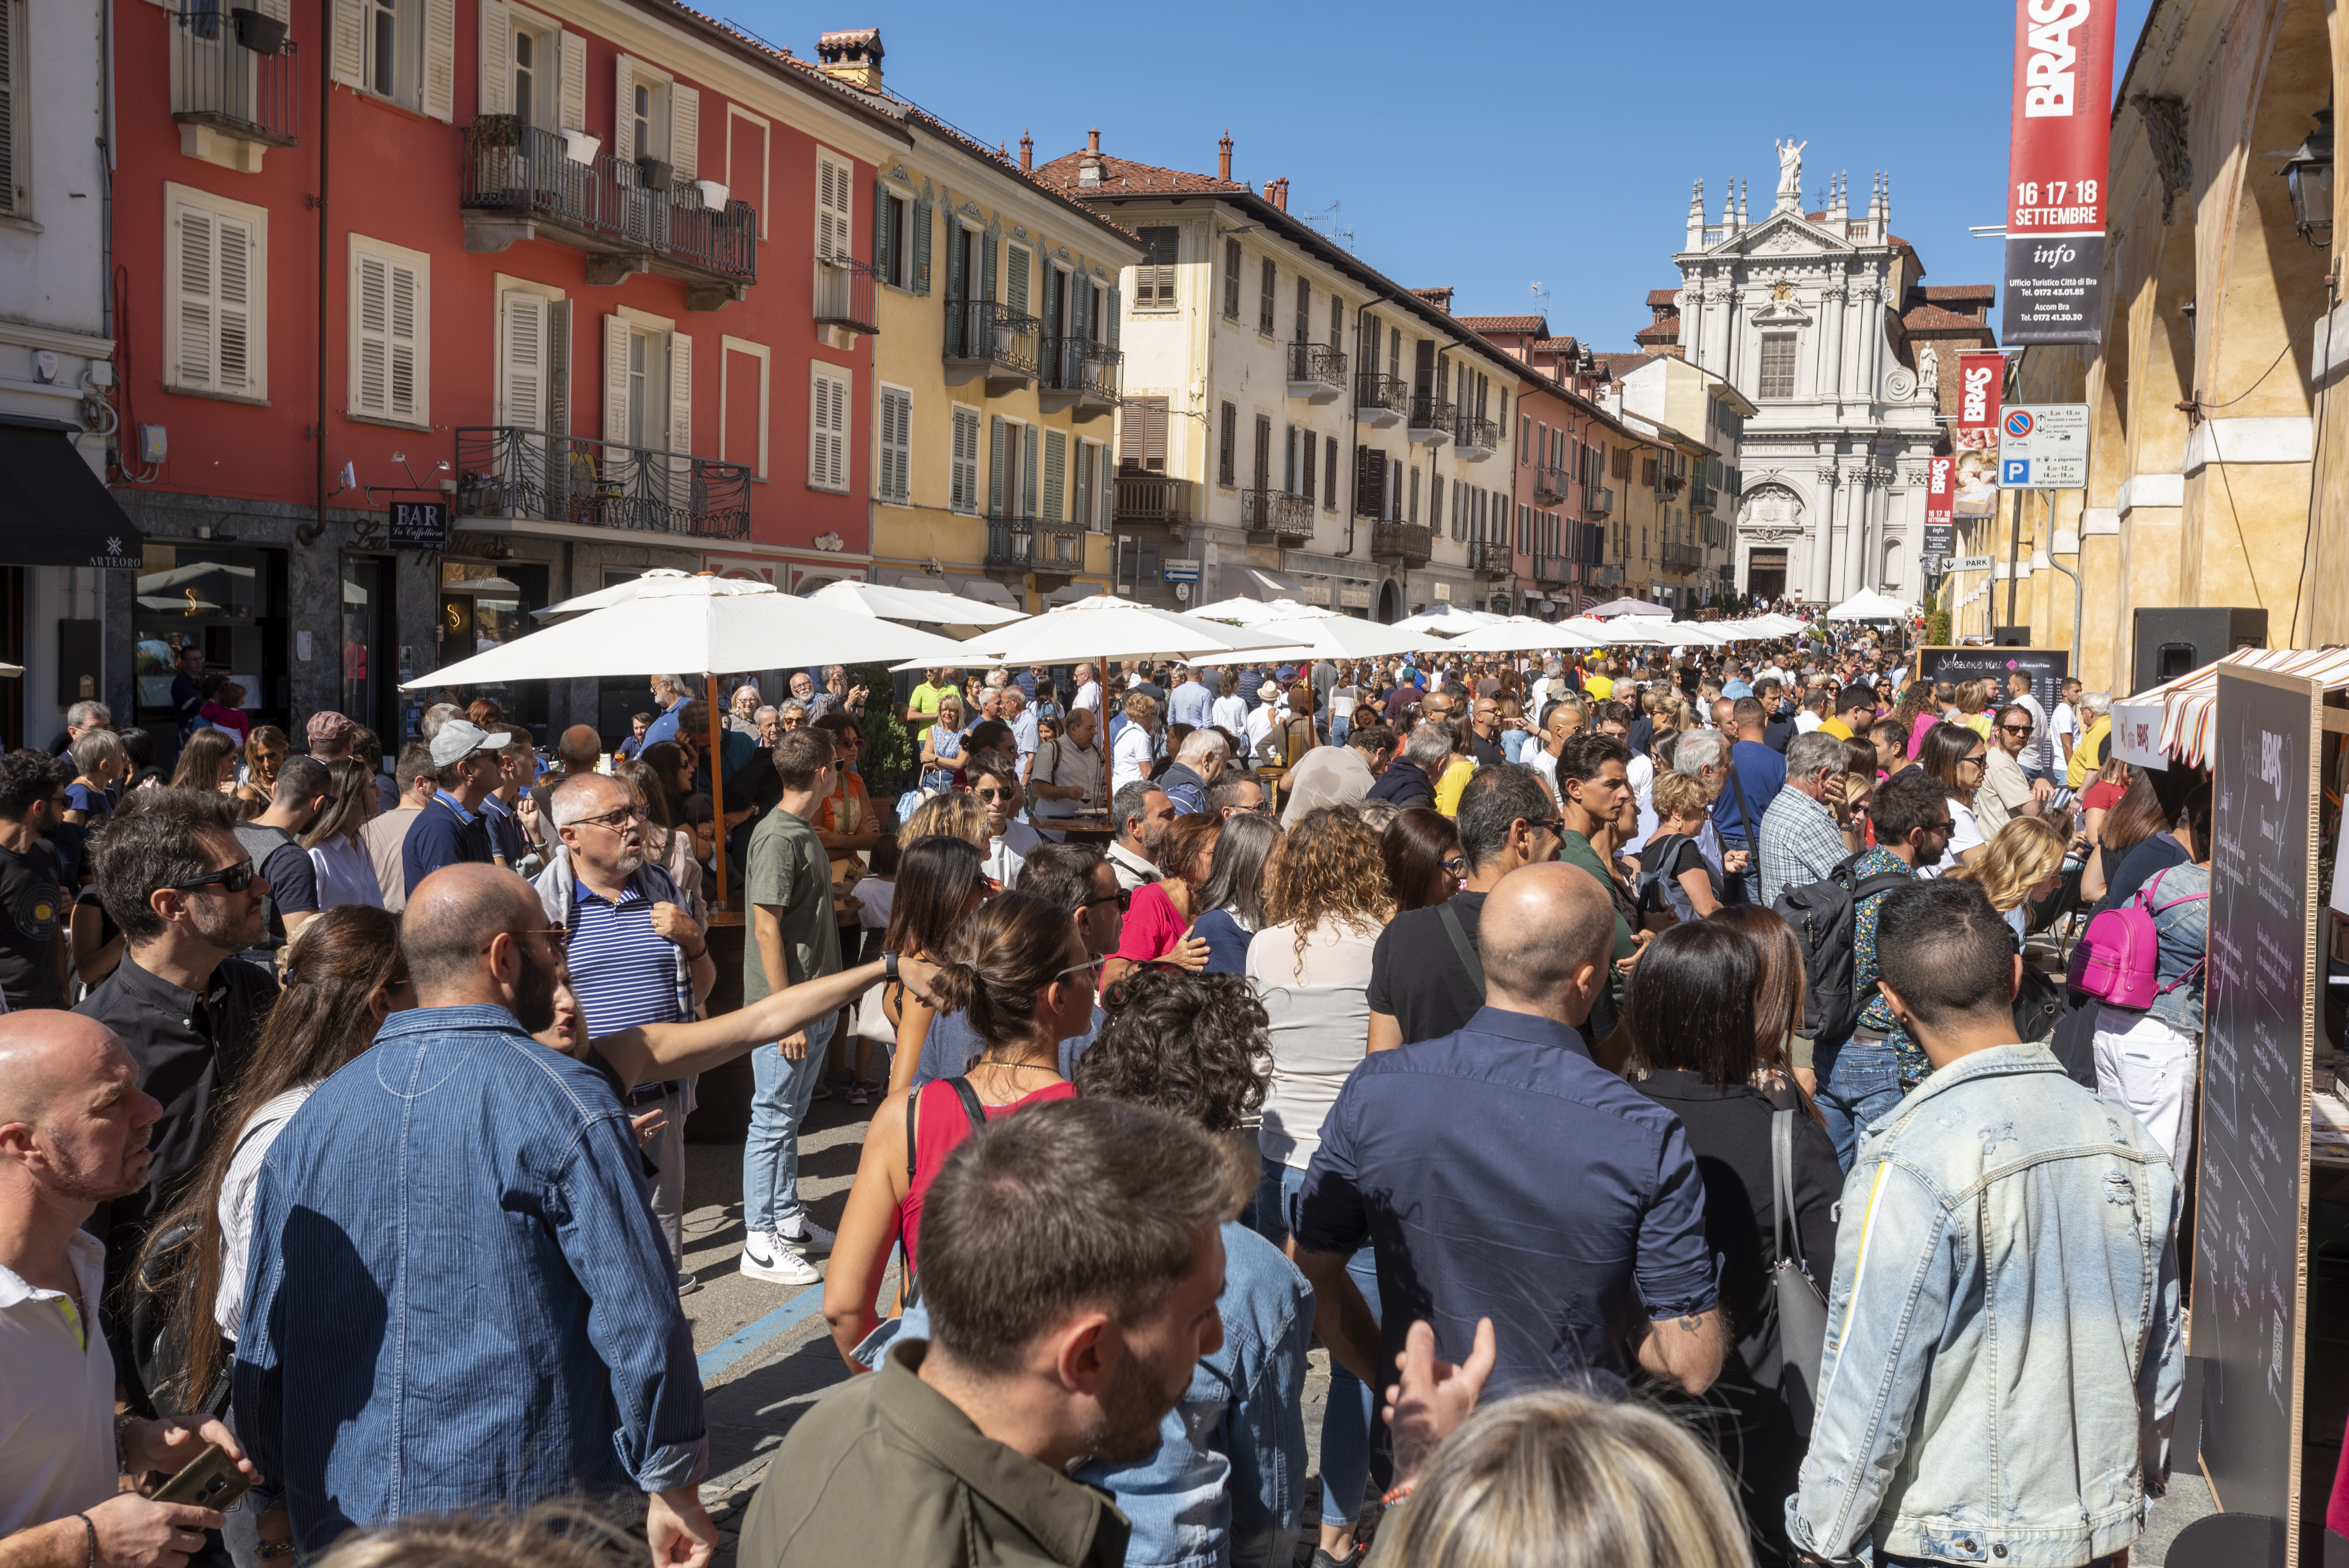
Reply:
x=1493, y=146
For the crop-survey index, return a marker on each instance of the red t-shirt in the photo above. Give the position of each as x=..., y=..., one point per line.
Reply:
x=939, y=1124
x=1152, y=926
x=2101, y=795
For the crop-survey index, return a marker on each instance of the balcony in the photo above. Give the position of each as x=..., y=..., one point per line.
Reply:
x=1316, y=372
x=1431, y=419
x=1024, y=544
x=1288, y=518
x=1079, y=375
x=1715, y=531
x=1680, y=557
x=1475, y=439
x=1703, y=497
x=844, y=300
x=1491, y=558
x=1154, y=498
x=526, y=476
x=521, y=183
x=1606, y=577
x=984, y=340
x=235, y=85
x=1550, y=570
x=1402, y=543
x=1598, y=500
x=1381, y=401
x=1549, y=485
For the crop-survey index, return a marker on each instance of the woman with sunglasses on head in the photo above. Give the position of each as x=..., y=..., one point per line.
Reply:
x=1956, y=756
x=1421, y=848
x=941, y=746
x=1020, y=972
x=941, y=884
x=337, y=855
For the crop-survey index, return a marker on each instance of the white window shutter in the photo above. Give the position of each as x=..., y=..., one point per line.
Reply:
x=572, y=89
x=623, y=118
x=615, y=380
x=441, y=59
x=497, y=58
x=558, y=368
x=195, y=334
x=522, y=353
x=277, y=10
x=684, y=132
x=370, y=345
x=827, y=431
x=390, y=307
x=834, y=208
x=680, y=417
x=348, y=58
x=235, y=293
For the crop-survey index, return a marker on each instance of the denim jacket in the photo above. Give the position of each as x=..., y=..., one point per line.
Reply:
x=1226, y=1486
x=456, y=1294
x=2002, y=1333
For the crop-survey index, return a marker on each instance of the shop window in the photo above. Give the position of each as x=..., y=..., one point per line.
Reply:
x=229, y=605
x=486, y=604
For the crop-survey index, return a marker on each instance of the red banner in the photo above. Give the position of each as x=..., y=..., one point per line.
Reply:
x=1981, y=378
x=2056, y=170
x=1941, y=484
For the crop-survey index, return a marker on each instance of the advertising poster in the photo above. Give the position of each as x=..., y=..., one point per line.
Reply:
x=1976, y=494
x=2057, y=160
x=1981, y=378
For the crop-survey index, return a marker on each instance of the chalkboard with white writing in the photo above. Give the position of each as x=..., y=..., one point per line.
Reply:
x=2251, y=1243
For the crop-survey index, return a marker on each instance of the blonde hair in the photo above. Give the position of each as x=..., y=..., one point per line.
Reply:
x=1678, y=794
x=950, y=816
x=1972, y=697
x=560, y=1533
x=2022, y=853
x=1557, y=1477
x=1141, y=707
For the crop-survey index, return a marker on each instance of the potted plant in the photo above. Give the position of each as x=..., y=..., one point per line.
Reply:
x=264, y=34
x=713, y=193
x=658, y=173
x=581, y=147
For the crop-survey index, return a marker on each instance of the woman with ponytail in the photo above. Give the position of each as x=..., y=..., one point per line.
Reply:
x=1019, y=972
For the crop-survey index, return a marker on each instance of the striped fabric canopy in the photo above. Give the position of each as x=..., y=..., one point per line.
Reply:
x=2174, y=720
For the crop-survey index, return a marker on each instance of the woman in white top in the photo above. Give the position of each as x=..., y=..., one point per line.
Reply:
x=1312, y=968
x=1956, y=754
x=339, y=857
x=1137, y=748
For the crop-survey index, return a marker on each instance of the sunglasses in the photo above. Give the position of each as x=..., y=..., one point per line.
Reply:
x=993, y=794
x=229, y=879
x=1124, y=901
x=2017, y=728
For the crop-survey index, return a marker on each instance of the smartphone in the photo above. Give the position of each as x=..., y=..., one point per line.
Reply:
x=210, y=1480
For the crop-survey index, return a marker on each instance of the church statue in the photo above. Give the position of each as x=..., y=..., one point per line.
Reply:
x=1928, y=373
x=1790, y=172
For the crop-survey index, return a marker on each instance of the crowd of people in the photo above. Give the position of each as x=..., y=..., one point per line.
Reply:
x=1633, y=1072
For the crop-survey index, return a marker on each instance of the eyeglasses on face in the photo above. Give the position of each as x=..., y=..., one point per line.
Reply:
x=618, y=821
x=1976, y=760
x=2017, y=728
x=1453, y=865
x=228, y=878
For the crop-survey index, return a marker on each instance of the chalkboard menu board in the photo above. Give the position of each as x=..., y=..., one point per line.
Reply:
x=2251, y=1233
x=2045, y=666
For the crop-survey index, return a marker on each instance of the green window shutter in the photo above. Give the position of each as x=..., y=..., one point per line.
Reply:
x=956, y=287
x=1109, y=491
x=1081, y=309
x=1056, y=474
x=880, y=224
x=1028, y=476
x=987, y=259
x=995, y=467
x=1015, y=282
x=921, y=279
x=1116, y=309
x=1053, y=286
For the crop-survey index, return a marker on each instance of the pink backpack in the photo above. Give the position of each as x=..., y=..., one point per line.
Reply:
x=2119, y=957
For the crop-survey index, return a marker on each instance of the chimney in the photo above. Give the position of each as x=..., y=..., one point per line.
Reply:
x=1281, y=201
x=1092, y=140
x=1027, y=151
x=1223, y=157
x=1088, y=167
x=853, y=56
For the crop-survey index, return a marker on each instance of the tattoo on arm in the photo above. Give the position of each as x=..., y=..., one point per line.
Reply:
x=1691, y=1325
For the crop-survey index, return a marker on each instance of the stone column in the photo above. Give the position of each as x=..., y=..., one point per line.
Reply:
x=1848, y=531
x=1822, y=583
x=1869, y=320
x=1829, y=350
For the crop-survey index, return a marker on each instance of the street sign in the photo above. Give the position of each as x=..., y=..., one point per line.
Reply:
x=2042, y=446
x=1181, y=570
x=1940, y=539
x=1971, y=564
x=417, y=524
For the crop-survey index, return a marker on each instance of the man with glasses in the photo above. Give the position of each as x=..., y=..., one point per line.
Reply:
x=1800, y=842
x=995, y=782
x=2008, y=790
x=2038, y=758
x=636, y=957
x=187, y=899
x=33, y=897
x=794, y=938
x=467, y=765
x=1238, y=794
x=1484, y=740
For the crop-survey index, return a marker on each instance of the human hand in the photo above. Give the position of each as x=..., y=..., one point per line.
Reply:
x=672, y=924
x=1735, y=859
x=1809, y=1081
x=1190, y=954
x=168, y=1442
x=678, y=1528
x=919, y=976
x=1433, y=1397
x=793, y=1046
x=2042, y=790
x=649, y=1126
x=135, y=1531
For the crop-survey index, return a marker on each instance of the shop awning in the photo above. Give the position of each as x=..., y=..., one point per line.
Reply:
x=59, y=513
x=1256, y=583
x=987, y=591
x=2175, y=720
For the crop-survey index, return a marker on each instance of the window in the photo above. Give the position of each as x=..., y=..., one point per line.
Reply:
x=828, y=393
x=1620, y=463
x=215, y=293
x=1412, y=516
x=1778, y=364
x=403, y=50
x=1337, y=322
x=14, y=167
x=1370, y=481
x=1304, y=470
x=1288, y=459
x=659, y=118
x=897, y=446
x=1648, y=472
x=964, y=490
x=1228, y=449
x=648, y=387
x=1524, y=440
x=1153, y=277
x=1082, y=497
x=1304, y=311
x=1263, y=470
x=383, y=30
x=1264, y=299
x=1142, y=438
x=391, y=332
x=1395, y=351
x=533, y=361
x=835, y=206
x=893, y=221
x=1329, y=474
x=531, y=69
x=1232, y=279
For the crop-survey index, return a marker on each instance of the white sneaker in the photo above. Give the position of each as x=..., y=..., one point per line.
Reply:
x=767, y=1258
x=810, y=1237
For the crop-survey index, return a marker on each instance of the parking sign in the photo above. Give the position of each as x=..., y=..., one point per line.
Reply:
x=2044, y=446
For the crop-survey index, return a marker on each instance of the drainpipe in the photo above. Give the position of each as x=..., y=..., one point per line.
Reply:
x=310, y=532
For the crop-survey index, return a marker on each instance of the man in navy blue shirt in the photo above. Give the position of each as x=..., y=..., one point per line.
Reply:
x=670, y=692
x=1499, y=1173
x=1756, y=774
x=451, y=829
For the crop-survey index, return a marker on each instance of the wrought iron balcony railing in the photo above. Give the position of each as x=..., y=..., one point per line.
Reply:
x=1472, y=436
x=1549, y=484
x=235, y=72
x=1029, y=544
x=1598, y=500
x=1084, y=372
x=1317, y=371
x=1381, y=399
x=844, y=293
x=1680, y=557
x=1407, y=543
x=1430, y=417
x=1279, y=512
x=1550, y=570
x=520, y=172
x=508, y=471
x=1491, y=557
x=987, y=332
x=1154, y=498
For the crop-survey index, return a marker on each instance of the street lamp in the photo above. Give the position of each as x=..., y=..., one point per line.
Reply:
x=2309, y=174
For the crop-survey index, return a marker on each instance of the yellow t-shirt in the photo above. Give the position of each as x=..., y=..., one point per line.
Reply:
x=1600, y=687
x=1836, y=727
x=1447, y=789
x=1978, y=722
x=924, y=698
x=2088, y=756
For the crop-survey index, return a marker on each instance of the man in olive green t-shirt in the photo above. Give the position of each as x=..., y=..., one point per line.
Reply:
x=794, y=938
x=1593, y=787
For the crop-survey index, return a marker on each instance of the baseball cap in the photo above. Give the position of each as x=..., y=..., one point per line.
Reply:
x=460, y=738
x=327, y=727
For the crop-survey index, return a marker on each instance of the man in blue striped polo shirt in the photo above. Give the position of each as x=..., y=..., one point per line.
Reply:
x=635, y=956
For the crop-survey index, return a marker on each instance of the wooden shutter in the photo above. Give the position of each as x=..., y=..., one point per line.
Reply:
x=347, y=60
x=1330, y=475
x=881, y=208
x=921, y=262
x=1270, y=275
x=1227, y=457
x=572, y=90
x=1231, y=277
x=214, y=330
x=685, y=137
x=615, y=380
x=680, y=394
x=497, y=58
x=957, y=287
x=1263, y=470
x=833, y=208
x=1306, y=469
x=558, y=368
x=1015, y=280
x=995, y=465
x=624, y=116
x=827, y=431
x=440, y=96
x=1142, y=436
x=1028, y=474
x=387, y=313
x=897, y=439
x=965, y=490
x=1304, y=311
x=1108, y=510
x=1288, y=461
x=1056, y=475
x=1370, y=482
x=1114, y=304
x=1337, y=322
x=991, y=243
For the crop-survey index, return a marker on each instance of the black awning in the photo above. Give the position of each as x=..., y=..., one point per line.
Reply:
x=52, y=510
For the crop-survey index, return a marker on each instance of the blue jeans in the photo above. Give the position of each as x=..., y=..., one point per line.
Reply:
x=1346, y=1420
x=770, y=1152
x=1859, y=1083
x=1337, y=727
x=1746, y=886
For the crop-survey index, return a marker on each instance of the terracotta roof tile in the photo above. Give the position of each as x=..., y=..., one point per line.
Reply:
x=1558, y=346
x=1503, y=323
x=1441, y=298
x=1933, y=318
x=1662, y=332
x=1124, y=177
x=1663, y=296
x=1960, y=291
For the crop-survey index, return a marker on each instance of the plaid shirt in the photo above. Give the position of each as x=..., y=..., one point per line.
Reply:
x=1799, y=845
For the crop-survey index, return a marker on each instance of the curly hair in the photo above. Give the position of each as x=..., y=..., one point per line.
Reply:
x=1331, y=870
x=1196, y=1047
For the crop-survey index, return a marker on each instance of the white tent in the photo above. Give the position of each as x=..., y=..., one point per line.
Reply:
x=1868, y=604
x=1103, y=626
x=1336, y=637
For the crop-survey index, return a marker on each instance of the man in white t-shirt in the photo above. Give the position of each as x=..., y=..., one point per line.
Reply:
x=2038, y=756
x=1269, y=708
x=995, y=780
x=1089, y=692
x=1814, y=711
x=2066, y=723
x=1066, y=769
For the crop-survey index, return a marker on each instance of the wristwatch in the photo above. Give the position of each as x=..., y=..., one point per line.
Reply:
x=889, y=966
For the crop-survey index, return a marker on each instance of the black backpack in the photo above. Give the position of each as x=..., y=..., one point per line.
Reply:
x=1824, y=916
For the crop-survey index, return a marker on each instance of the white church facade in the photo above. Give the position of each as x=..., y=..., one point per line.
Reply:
x=1808, y=314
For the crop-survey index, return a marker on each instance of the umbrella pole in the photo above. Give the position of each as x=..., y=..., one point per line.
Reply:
x=717, y=787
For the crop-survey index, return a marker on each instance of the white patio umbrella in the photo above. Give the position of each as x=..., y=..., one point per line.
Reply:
x=1255, y=612
x=1524, y=634
x=1336, y=637
x=1101, y=627
x=1868, y=604
x=1710, y=635
x=1628, y=607
x=924, y=604
x=1447, y=620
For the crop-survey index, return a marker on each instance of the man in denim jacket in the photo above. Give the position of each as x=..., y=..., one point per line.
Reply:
x=2003, y=1350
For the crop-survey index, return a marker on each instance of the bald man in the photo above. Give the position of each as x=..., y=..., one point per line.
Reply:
x=1499, y=1173
x=452, y=1261
x=74, y=1130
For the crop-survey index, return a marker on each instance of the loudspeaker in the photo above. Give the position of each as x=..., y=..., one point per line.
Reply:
x=2010, y=636
x=2171, y=642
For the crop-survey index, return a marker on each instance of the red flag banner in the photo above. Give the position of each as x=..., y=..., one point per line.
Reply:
x=2055, y=170
x=1940, y=486
x=1981, y=378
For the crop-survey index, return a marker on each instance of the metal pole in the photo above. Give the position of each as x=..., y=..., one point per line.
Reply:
x=717, y=783
x=2013, y=549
